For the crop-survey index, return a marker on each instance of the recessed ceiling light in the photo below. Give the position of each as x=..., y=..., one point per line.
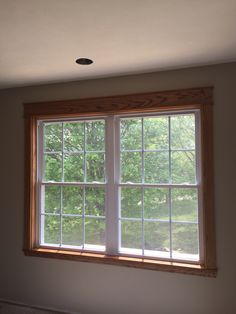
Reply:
x=84, y=61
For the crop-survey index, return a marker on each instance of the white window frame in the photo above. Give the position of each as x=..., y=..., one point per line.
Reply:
x=112, y=187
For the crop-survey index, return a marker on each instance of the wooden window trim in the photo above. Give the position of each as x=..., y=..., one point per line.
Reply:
x=195, y=98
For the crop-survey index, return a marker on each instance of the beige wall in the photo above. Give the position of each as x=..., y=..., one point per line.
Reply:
x=91, y=288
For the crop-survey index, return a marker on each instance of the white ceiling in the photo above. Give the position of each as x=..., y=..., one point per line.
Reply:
x=40, y=39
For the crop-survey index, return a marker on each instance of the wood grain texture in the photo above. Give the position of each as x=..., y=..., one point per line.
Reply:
x=121, y=104
x=30, y=182
x=208, y=186
x=196, y=98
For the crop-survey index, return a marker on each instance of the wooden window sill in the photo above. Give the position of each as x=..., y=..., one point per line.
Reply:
x=136, y=262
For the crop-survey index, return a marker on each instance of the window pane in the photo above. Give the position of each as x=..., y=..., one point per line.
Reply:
x=53, y=167
x=184, y=204
x=95, y=167
x=74, y=168
x=156, y=167
x=156, y=133
x=94, y=231
x=183, y=167
x=131, y=134
x=156, y=203
x=183, y=132
x=95, y=135
x=131, y=167
x=157, y=236
x=72, y=231
x=184, y=238
x=72, y=200
x=53, y=137
x=131, y=234
x=95, y=201
x=131, y=202
x=51, y=229
x=74, y=136
x=52, y=201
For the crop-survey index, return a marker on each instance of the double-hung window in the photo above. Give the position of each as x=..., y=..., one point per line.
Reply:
x=121, y=184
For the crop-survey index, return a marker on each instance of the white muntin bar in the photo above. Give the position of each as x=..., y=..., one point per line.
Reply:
x=151, y=185
x=82, y=184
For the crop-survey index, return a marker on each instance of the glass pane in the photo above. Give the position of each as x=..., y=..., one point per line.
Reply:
x=74, y=168
x=156, y=167
x=131, y=134
x=183, y=132
x=131, y=234
x=51, y=229
x=156, y=133
x=156, y=203
x=95, y=167
x=74, y=136
x=184, y=238
x=53, y=137
x=183, y=167
x=95, y=231
x=95, y=201
x=72, y=200
x=72, y=231
x=131, y=202
x=95, y=135
x=184, y=205
x=52, y=201
x=53, y=167
x=131, y=167
x=157, y=236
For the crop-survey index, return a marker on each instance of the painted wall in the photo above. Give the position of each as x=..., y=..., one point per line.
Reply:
x=90, y=288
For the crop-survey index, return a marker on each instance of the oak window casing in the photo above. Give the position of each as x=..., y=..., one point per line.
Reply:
x=192, y=99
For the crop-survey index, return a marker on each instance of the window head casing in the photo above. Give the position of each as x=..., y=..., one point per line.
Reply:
x=123, y=180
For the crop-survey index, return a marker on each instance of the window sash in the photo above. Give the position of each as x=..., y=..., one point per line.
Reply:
x=113, y=185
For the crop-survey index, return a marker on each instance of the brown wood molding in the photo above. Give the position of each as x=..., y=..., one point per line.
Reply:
x=144, y=263
x=137, y=102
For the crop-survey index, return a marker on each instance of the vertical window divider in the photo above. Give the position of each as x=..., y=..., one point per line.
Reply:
x=84, y=189
x=170, y=189
x=142, y=201
x=62, y=164
x=112, y=185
